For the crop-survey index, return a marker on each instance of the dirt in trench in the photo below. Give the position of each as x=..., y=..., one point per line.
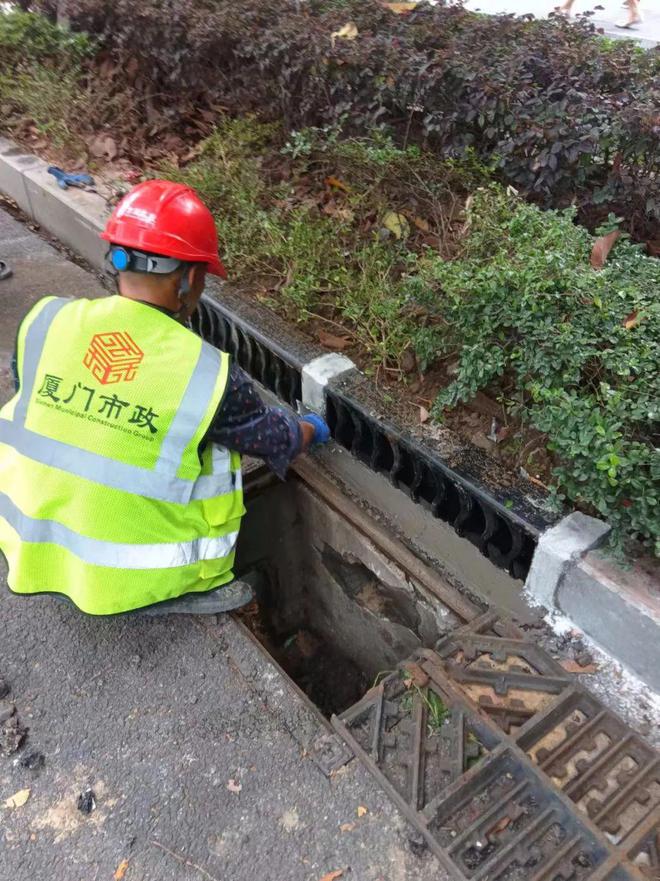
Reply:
x=328, y=678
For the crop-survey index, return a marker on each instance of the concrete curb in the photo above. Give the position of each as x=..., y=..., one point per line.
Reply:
x=557, y=550
x=76, y=217
x=619, y=609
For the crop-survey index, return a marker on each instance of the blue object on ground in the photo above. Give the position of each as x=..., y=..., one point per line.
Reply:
x=321, y=429
x=66, y=179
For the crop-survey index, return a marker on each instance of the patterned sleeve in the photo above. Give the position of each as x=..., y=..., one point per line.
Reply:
x=245, y=424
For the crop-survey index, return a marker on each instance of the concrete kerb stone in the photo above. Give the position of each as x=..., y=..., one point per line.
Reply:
x=316, y=374
x=74, y=216
x=557, y=551
x=618, y=608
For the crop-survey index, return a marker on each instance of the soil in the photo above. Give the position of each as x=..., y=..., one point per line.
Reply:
x=328, y=678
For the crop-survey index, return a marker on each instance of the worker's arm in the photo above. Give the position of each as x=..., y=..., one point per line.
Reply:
x=245, y=424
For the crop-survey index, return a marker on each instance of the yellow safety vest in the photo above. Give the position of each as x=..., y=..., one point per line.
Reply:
x=104, y=496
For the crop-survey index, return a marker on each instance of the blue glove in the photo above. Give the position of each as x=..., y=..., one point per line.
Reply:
x=66, y=179
x=321, y=430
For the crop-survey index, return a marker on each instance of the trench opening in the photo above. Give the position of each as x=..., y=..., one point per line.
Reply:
x=331, y=609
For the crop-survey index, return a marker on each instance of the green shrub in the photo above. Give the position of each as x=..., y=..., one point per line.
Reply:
x=570, y=118
x=573, y=351
x=27, y=39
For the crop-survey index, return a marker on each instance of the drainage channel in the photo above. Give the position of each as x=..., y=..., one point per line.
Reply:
x=506, y=769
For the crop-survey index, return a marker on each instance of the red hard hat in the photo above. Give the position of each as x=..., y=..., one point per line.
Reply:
x=169, y=219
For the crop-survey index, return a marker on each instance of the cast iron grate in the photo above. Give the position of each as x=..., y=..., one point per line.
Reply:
x=509, y=771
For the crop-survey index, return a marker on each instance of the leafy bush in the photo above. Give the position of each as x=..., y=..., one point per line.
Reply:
x=41, y=70
x=569, y=118
x=27, y=39
x=304, y=218
x=574, y=351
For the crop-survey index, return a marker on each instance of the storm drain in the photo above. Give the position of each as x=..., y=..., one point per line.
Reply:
x=507, y=769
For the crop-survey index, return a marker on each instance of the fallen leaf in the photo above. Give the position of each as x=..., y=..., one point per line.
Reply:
x=332, y=875
x=347, y=827
x=602, y=248
x=400, y=8
x=407, y=682
x=348, y=32
x=500, y=826
x=121, y=870
x=422, y=224
x=423, y=415
x=332, y=181
x=233, y=786
x=631, y=320
x=397, y=224
x=419, y=677
x=330, y=341
x=573, y=667
x=361, y=811
x=18, y=799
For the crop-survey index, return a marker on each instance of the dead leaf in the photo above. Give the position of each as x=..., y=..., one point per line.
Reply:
x=419, y=676
x=602, y=248
x=423, y=415
x=18, y=799
x=422, y=224
x=347, y=827
x=103, y=146
x=332, y=875
x=330, y=341
x=332, y=181
x=572, y=666
x=500, y=826
x=234, y=786
x=361, y=811
x=397, y=224
x=348, y=32
x=631, y=320
x=121, y=870
x=400, y=8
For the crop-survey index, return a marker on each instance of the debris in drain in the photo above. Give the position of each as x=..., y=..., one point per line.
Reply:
x=327, y=677
x=33, y=761
x=86, y=801
x=12, y=733
x=18, y=799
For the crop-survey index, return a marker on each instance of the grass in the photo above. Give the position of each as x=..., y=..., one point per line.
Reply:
x=305, y=219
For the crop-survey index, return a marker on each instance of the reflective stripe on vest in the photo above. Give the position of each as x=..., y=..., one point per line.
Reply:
x=111, y=523
x=130, y=478
x=113, y=554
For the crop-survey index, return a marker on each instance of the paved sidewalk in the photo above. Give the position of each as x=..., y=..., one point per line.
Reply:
x=605, y=15
x=157, y=716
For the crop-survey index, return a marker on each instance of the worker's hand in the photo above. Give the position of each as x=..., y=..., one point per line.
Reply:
x=319, y=433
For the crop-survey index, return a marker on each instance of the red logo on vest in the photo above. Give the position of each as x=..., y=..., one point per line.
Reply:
x=113, y=357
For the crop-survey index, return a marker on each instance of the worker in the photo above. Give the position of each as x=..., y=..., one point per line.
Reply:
x=120, y=475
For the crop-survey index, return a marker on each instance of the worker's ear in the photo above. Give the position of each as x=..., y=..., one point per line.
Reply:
x=197, y=278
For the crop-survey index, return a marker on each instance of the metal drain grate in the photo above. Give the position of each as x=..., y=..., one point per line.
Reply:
x=509, y=771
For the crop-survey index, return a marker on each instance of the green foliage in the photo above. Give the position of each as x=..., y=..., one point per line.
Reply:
x=576, y=349
x=41, y=76
x=27, y=38
x=570, y=118
x=341, y=262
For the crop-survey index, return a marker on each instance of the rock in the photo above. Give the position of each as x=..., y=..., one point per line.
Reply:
x=86, y=801
x=7, y=710
x=33, y=761
x=12, y=735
